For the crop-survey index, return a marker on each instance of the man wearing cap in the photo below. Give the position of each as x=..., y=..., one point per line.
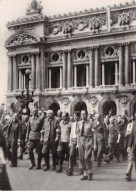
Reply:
x=33, y=136
x=48, y=137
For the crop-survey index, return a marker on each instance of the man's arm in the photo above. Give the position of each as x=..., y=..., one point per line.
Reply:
x=28, y=129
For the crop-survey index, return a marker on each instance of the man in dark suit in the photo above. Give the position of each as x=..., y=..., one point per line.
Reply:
x=33, y=136
x=49, y=139
x=24, y=123
x=131, y=150
x=14, y=137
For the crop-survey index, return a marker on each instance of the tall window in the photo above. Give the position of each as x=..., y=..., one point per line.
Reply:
x=81, y=75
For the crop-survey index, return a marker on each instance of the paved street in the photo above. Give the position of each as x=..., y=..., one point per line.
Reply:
x=108, y=177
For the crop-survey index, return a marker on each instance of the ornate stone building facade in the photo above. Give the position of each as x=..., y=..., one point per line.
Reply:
x=77, y=60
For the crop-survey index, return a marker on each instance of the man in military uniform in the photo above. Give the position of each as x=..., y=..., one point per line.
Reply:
x=48, y=138
x=99, y=139
x=33, y=137
x=14, y=136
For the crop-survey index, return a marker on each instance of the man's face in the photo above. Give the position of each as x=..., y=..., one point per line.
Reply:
x=34, y=113
x=76, y=118
x=64, y=117
x=83, y=115
x=15, y=117
x=49, y=115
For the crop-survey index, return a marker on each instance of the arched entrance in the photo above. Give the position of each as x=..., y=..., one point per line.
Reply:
x=107, y=106
x=80, y=106
x=54, y=107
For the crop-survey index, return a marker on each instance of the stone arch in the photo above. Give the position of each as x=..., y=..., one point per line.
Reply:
x=27, y=38
x=78, y=105
x=106, y=105
x=54, y=107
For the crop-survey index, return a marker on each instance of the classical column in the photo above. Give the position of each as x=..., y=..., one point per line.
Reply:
x=20, y=80
x=91, y=67
x=38, y=77
x=44, y=70
x=64, y=70
x=121, y=65
x=116, y=73
x=69, y=74
x=49, y=78
x=15, y=74
x=127, y=63
x=10, y=74
x=87, y=75
x=103, y=74
x=75, y=76
x=96, y=67
x=134, y=72
x=33, y=72
x=61, y=74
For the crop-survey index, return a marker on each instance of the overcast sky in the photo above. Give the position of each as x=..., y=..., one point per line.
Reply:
x=13, y=9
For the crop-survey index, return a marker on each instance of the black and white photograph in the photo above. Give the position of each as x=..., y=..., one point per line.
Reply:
x=67, y=95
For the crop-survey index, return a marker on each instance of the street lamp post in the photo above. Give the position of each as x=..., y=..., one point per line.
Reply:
x=28, y=97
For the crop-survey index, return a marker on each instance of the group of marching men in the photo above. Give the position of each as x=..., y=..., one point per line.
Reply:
x=63, y=135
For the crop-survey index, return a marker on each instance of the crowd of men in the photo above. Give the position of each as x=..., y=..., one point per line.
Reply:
x=81, y=137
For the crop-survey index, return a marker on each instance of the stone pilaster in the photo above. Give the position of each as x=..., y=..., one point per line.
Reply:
x=91, y=67
x=120, y=65
x=10, y=74
x=127, y=64
x=96, y=66
x=38, y=69
x=75, y=76
x=64, y=69
x=15, y=74
x=33, y=72
x=69, y=70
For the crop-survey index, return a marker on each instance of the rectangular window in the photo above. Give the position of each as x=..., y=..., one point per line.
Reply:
x=110, y=73
x=81, y=75
x=55, y=77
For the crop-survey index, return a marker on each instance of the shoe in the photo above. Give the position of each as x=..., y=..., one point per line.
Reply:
x=46, y=168
x=69, y=173
x=31, y=166
x=53, y=168
x=59, y=170
x=81, y=172
x=90, y=177
x=84, y=178
x=13, y=165
x=20, y=157
x=128, y=177
x=38, y=167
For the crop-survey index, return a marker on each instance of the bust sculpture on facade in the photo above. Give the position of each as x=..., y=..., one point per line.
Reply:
x=124, y=20
x=67, y=29
x=94, y=25
x=34, y=7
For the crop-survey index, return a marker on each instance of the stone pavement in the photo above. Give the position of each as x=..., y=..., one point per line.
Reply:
x=108, y=177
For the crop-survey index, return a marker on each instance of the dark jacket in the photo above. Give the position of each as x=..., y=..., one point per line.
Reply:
x=47, y=129
x=15, y=134
x=33, y=128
